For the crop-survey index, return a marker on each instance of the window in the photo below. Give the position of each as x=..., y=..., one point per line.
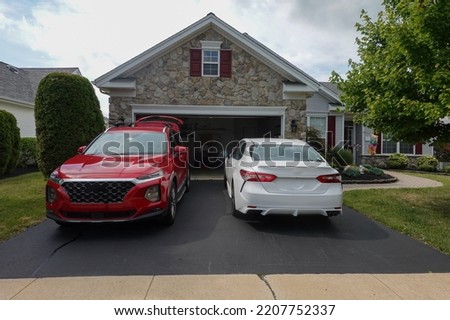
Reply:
x=320, y=124
x=211, y=62
x=390, y=146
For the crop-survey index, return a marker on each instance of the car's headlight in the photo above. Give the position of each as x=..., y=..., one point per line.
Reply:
x=148, y=177
x=152, y=194
x=54, y=176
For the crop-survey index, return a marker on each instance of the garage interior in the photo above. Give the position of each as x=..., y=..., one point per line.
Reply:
x=209, y=138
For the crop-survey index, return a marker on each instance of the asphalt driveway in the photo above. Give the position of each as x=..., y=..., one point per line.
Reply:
x=208, y=239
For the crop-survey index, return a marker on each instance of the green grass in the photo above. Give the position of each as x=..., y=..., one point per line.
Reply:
x=22, y=203
x=423, y=214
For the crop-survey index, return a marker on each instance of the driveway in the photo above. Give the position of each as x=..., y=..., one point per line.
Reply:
x=208, y=239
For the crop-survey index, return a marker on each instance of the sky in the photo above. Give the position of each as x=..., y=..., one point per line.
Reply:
x=99, y=35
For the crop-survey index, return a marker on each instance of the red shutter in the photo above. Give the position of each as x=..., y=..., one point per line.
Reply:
x=196, y=63
x=225, y=63
x=331, y=133
x=379, y=143
x=418, y=148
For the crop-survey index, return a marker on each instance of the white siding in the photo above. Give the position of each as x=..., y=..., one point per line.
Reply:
x=24, y=117
x=317, y=104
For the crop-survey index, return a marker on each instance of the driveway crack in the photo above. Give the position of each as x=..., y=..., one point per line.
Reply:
x=53, y=253
x=263, y=278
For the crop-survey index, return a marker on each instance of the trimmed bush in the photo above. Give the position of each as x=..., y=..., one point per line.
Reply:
x=9, y=142
x=351, y=171
x=68, y=116
x=397, y=161
x=375, y=171
x=28, y=152
x=340, y=157
x=447, y=169
x=427, y=163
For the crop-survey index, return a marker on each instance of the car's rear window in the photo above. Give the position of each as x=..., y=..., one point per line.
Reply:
x=129, y=143
x=284, y=152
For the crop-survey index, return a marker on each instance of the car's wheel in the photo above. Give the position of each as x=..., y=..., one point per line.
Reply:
x=224, y=180
x=169, y=217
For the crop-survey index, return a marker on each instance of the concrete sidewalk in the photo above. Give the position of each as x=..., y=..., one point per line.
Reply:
x=233, y=287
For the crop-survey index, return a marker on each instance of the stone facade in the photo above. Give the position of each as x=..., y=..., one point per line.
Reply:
x=380, y=161
x=166, y=81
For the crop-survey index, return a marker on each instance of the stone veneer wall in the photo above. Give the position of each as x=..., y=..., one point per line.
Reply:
x=167, y=81
x=381, y=160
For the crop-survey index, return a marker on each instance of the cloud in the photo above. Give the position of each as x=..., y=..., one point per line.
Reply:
x=99, y=35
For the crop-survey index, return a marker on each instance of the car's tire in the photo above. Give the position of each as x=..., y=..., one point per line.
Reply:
x=169, y=217
x=224, y=180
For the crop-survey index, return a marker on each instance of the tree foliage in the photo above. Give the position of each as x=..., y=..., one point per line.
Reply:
x=401, y=85
x=9, y=142
x=68, y=116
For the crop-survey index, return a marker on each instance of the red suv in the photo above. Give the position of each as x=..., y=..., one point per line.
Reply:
x=125, y=174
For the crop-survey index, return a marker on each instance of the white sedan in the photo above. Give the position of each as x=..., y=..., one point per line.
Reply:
x=281, y=176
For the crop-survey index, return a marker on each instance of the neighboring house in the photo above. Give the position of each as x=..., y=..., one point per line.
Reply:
x=325, y=113
x=18, y=88
x=226, y=86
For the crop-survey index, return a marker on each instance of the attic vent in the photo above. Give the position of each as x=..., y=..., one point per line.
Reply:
x=12, y=69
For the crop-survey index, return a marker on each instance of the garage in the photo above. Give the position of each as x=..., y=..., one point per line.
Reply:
x=210, y=130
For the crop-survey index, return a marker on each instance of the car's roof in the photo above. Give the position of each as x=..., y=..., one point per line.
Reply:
x=275, y=141
x=156, y=128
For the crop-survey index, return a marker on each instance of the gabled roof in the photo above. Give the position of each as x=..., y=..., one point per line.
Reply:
x=20, y=84
x=331, y=91
x=243, y=40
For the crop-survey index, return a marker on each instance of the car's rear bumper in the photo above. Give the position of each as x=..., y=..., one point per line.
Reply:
x=255, y=198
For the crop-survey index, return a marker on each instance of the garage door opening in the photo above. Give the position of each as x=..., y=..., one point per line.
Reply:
x=210, y=132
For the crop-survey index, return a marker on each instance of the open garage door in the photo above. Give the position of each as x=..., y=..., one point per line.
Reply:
x=211, y=131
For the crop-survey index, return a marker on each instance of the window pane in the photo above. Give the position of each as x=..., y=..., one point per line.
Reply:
x=406, y=148
x=320, y=124
x=210, y=69
x=389, y=146
x=210, y=56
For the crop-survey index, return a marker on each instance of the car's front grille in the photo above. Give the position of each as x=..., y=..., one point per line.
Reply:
x=97, y=191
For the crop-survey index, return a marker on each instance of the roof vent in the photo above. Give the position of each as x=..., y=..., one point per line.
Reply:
x=12, y=68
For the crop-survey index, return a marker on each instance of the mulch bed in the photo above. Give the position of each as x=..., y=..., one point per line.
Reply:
x=368, y=178
x=19, y=172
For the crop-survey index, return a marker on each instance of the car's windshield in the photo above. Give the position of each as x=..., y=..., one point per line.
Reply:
x=129, y=143
x=284, y=152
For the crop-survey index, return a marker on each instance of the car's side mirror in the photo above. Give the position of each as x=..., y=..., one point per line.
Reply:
x=80, y=150
x=182, y=152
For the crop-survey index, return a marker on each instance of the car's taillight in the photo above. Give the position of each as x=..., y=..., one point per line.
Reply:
x=257, y=176
x=330, y=178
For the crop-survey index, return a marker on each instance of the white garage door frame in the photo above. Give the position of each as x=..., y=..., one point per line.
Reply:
x=211, y=111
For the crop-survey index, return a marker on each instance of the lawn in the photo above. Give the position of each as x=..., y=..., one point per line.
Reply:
x=423, y=214
x=22, y=203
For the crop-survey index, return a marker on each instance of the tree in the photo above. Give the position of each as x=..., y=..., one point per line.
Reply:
x=68, y=116
x=9, y=142
x=401, y=85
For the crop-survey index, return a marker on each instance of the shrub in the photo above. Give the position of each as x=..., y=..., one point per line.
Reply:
x=375, y=171
x=68, y=115
x=447, y=169
x=351, y=171
x=340, y=157
x=426, y=167
x=397, y=161
x=28, y=152
x=427, y=163
x=9, y=142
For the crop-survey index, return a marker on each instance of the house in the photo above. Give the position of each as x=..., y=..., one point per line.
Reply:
x=325, y=113
x=18, y=88
x=226, y=86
